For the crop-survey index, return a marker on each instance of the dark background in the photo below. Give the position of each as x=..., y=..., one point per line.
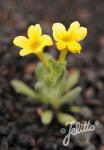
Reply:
x=15, y=17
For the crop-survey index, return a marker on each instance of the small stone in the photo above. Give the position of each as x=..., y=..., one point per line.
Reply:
x=101, y=40
x=86, y=113
x=82, y=139
x=93, y=102
x=89, y=93
x=26, y=140
x=4, y=130
x=50, y=144
x=90, y=147
x=4, y=144
x=101, y=147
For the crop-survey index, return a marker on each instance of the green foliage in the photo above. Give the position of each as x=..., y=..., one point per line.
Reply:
x=53, y=87
x=72, y=94
x=64, y=118
x=51, y=75
x=22, y=88
x=46, y=116
x=72, y=79
x=75, y=109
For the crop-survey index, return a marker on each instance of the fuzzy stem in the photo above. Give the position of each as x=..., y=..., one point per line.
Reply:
x=43, y=59
x=63, y=55
x=55, y=104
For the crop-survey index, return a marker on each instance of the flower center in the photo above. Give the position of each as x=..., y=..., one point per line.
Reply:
x=35, y=44
x=67, y=37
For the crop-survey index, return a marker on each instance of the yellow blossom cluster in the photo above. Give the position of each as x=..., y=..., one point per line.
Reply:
x=66, y=40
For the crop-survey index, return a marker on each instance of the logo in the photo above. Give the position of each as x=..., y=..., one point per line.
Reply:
x=75, y=128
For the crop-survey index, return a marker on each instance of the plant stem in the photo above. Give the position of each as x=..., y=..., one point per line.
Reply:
x=63, y=55
x=43, y=59
x=55, y=104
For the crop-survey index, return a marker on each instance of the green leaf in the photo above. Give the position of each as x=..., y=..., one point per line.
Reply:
x=53, y=74
x=64, y=118
x=75, y=109
x=46, y=117
x=40, y=72
x=71, y=95
x=22, y=88
x=72, y=79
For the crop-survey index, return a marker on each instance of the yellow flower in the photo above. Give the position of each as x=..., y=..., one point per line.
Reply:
x=68, y=39
x=34, y=43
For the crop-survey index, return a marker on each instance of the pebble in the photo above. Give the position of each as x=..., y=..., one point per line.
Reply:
x=90, y=147
x=4, y=144
x=4, y=130
x=50, y=144
x=86, y=113
x=26, y=140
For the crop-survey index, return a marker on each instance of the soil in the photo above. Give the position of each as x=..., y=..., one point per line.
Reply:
x=20, y=126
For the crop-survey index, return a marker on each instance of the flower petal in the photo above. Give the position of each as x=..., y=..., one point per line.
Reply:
x=74, y=26
x=74, y=47
x=24, y=52
x=58, y=31
x=38, y=50
x=80, y=33
x=47, y=41
x=20, y=41
x=34, y=31
x=61, y=45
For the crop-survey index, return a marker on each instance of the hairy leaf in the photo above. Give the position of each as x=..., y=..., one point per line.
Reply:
x=22, y=88
x=72, y=79
x=46, y=117
x=64, y=118
x=71, y=95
